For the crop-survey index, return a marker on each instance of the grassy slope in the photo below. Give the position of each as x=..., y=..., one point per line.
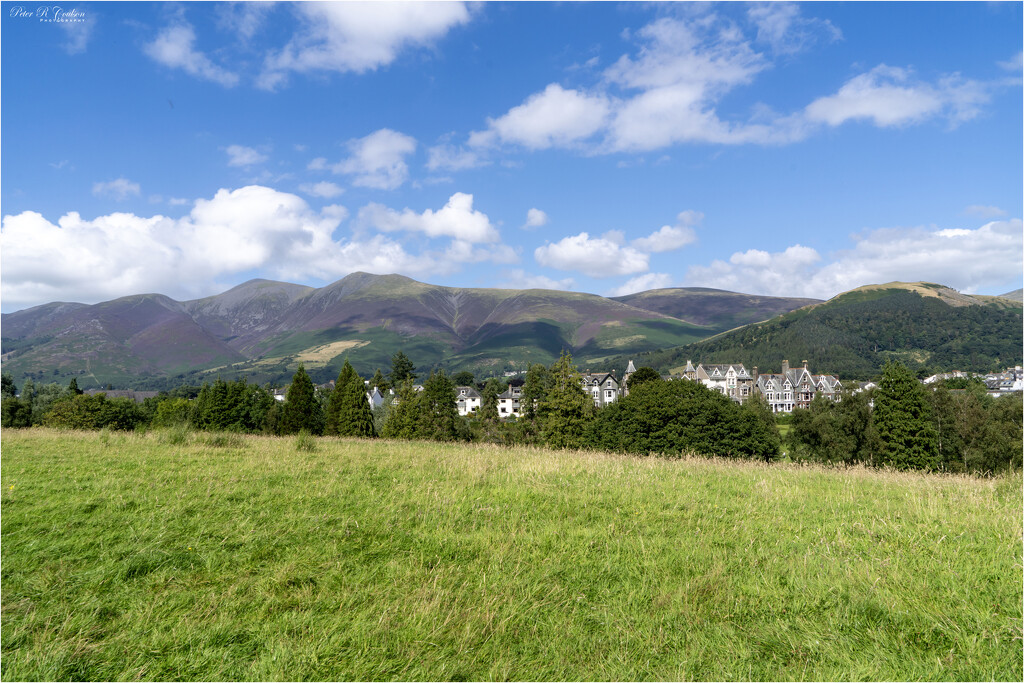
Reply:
x=242, y=558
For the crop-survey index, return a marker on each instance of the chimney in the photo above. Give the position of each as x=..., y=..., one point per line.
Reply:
x=805, y=365
x=785, y=367
x=755, y=374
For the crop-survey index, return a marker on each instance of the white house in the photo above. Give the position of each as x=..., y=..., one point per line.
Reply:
x=468, y=399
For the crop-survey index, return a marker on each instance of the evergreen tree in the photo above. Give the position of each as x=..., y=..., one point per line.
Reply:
x=332, y=417
x=379, y=382
x=401, y=422
x=438, y=410
x=568, y=409
x=903, y=418
x=301, y=409
x=355, y=418
x=73, y=387
x=489, y=399
x=7, y=386
x=535, y=390
x=401, y=369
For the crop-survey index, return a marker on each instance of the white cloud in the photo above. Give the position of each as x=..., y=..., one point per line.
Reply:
x=553, y=118
x=780, y=25
x=173, y=48
x=889, y=96
x=1015, y=63
x=535, y=218
x=596, y=257
x=969, y=260
x=642, y=283
x=668, y=91
x=378, y=160
x=119, y=189
x=449, y=158
x=318, y=164
x=359, y=36
x=671, y=237
x=239, y=155
x=78, y=31
x=252, y=228
x=520, y=279
x=322, y=189
x=982, y=211
x=456, y=219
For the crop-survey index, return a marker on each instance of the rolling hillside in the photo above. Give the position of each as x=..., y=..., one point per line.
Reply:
x=715, y=308
x=924, y=325
x=263, y=329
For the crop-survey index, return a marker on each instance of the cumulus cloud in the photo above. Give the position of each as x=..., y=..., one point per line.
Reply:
x=535, y=218
x=174, y=48
x=235, y=231
x=671, y=237
x=669, y=89
x=378, y=160
x=239, y=155
x=325, y=189
x=554, y=117
x=890, y=96
x=119, y=189
x=642, y=283
x=456, y=219
x=358, y=36
x=597, y=257
x=970, y=260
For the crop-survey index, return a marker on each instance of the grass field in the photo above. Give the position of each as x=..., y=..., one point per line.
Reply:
x=233, y=557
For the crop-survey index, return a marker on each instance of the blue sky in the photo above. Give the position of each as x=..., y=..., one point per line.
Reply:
x=798, y=149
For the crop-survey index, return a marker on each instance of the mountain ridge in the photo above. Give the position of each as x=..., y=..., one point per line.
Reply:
x=263, y=328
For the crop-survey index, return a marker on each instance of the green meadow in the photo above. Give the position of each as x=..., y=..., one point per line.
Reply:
x=178, y=555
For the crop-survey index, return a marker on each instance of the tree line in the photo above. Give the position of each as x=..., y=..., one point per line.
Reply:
x=900, y=424
x=955, y=427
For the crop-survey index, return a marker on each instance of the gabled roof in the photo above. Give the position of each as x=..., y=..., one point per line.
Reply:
x=467, y=392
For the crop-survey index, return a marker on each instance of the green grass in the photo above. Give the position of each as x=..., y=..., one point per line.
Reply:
x=147, y=557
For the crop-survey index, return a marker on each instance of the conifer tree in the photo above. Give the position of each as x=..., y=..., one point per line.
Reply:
x=438, y=410
x=401, y=369
x=332, y=417
x=903, y=420
x=379, y=382
x=489, y=399
x=73, y=387
x=535, y=390
x=356, y=418
x=401, y=422
x=301, y=409
x=568, y=409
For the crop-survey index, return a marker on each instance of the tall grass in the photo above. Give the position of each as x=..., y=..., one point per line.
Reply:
x=136, y=558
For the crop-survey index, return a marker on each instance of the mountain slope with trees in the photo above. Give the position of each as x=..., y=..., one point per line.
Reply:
x=927, y=327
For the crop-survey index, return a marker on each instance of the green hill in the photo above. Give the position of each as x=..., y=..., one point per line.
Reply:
x=924, y=325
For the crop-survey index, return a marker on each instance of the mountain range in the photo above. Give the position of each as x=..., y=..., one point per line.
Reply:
x=263, y=329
